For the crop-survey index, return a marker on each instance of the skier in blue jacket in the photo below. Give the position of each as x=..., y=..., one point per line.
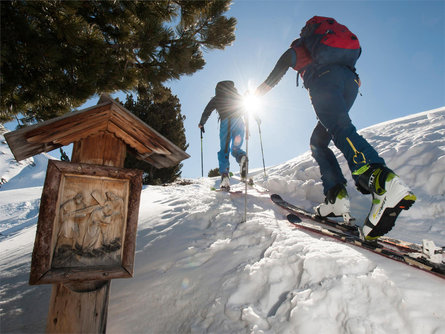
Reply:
x=228, y=104
x=332, y=89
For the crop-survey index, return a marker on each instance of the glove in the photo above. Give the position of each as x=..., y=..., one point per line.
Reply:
x=201, y=126
x=262, y=89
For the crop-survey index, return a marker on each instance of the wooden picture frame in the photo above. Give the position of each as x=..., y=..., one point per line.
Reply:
x=87, y=223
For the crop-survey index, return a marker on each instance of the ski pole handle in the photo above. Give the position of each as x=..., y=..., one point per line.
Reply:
x=202, y=154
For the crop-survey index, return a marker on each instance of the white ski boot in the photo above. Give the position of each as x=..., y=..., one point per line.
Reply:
x=390, y=195
x=225, y=182
x=336, y=204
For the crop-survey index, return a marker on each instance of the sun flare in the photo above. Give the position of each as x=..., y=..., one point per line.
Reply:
x=251, y=103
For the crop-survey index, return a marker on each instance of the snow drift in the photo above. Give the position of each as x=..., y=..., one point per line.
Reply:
x=199, y=269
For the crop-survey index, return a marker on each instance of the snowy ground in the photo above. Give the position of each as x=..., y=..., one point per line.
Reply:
x=199, y=269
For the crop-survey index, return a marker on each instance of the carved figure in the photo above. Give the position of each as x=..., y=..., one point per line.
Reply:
x=70, y=213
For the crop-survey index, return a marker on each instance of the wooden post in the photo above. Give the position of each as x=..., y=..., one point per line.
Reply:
x=73, y=311
x=103, y=148
x=82, y=307
x=87, y=226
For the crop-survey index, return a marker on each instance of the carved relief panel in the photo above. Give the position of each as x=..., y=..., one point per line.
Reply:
x=87, y=223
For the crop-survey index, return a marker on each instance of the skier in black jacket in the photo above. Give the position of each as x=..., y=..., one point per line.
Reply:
x=228, y=104
x=333, y=83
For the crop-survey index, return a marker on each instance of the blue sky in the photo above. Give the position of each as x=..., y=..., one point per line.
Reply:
x=402, y=68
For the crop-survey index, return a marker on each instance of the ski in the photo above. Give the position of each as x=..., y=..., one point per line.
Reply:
x=387, y=241
x=233, y=192
x=427, y=255
x=410, y=259
x=277, y=199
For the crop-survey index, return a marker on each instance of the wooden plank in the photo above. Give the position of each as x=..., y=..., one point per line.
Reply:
x=114, y=151
x=78, y=312
x=142, y=129
x=159, y=161
x=166, y=161
x=64, y=118
x=131, y=141
x=73, y=127
x=67, y=127
x=84, y=134
x=65, y=276
x=100, y=149
x=87, y=150
x=21, y=149
x=45, y=227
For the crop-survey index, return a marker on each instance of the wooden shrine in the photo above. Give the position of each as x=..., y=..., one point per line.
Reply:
x=86, y=231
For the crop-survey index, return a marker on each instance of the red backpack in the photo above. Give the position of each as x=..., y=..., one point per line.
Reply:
x=327, y=42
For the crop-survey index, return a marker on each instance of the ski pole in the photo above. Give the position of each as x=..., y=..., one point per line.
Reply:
x=261, y=143
x=202, y=160
x=247, y=167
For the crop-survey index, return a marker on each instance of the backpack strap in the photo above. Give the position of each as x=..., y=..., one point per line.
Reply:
x=303, y=56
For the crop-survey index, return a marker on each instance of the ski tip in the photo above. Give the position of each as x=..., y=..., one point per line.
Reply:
x=293, y=218
x=275, y=197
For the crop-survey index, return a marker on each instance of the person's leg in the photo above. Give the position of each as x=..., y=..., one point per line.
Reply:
x=237, y=142
x=237, y=138
x=224, y=141
x=336, y=203
x=330, y=171
x=332, y=96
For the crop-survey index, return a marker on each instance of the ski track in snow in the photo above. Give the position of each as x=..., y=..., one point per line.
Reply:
x=200, y=269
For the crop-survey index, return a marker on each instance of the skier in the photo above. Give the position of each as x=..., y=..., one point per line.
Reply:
x=325, y=57
x=228, y=104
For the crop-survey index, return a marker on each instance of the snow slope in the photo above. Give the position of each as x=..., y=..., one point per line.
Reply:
x=199, y=269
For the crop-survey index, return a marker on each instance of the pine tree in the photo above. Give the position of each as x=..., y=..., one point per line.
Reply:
x=165, y=117
x=57, y=54
x=214, y=172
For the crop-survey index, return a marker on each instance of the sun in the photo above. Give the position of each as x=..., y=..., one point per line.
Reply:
x=251, y=103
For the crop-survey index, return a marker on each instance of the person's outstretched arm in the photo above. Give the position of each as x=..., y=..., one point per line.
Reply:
x=286, y=60
x=207, y=112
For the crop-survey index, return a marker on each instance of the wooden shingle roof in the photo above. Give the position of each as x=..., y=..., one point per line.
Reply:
x=107, y=115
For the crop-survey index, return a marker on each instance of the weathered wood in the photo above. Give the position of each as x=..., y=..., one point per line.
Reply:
x=44, y=235
x=56, y=256
x=95, y=119
x=150, y=139
x=143, y=130
x=86, y=311
x=135, y=144
x=87, y=226
x=100, y=149
x=22, y=148
x=76, y=126
x=78, y=312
